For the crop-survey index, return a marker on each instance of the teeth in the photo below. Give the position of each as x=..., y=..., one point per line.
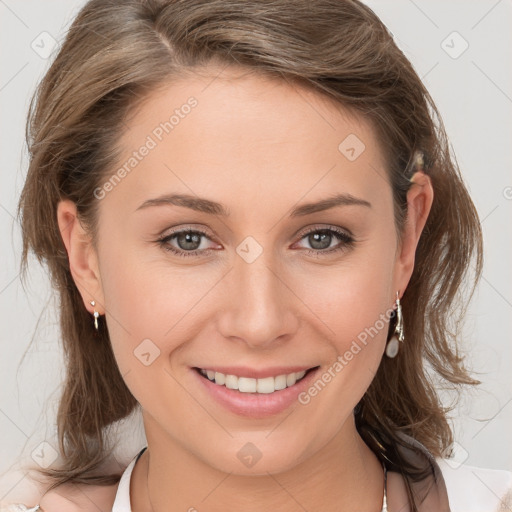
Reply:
x=249, y=385
x=291, y=379
x=231, y=382
x=280, y=382
x=246, y=385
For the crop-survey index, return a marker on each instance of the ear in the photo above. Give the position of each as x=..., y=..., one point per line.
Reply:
x=419, y=202
x=83, y=260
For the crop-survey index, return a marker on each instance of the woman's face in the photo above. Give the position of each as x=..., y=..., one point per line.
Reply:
x=268, y=289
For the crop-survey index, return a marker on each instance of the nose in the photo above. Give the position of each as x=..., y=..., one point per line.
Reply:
x=259, y=306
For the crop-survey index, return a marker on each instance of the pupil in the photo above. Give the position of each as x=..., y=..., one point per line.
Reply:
x=322, y=237
x=190, y=238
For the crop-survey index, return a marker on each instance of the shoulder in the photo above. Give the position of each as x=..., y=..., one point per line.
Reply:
x=26, y=493
x=458, y=487
x=474, y=489
x=79, y=498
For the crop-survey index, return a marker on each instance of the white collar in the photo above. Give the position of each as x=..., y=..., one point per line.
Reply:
x=122, y=502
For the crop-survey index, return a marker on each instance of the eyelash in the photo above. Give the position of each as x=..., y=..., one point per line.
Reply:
x=347, y=242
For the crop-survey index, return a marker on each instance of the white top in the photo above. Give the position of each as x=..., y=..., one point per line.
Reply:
x=470, y=489
x=122, y=501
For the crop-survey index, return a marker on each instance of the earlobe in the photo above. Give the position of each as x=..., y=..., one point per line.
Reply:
x=83, y=261
x=419, y=202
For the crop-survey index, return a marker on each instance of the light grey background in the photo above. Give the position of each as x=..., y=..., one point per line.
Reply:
x=473, y=91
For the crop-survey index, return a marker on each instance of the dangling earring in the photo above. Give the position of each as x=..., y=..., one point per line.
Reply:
x=398, y=336
x=96, y=314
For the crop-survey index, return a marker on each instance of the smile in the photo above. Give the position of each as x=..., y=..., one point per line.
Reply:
x=250, y=385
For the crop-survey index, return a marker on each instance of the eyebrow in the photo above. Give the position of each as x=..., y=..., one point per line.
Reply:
x=204, y=205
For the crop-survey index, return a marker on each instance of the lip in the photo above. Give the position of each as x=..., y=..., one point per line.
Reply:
x=255, y=405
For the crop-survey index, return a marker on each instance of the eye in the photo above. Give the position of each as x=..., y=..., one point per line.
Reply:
x=320, y=239
x=189, y=244
x=188, y=241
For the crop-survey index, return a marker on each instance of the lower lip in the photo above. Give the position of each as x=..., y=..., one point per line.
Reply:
x=256, y=405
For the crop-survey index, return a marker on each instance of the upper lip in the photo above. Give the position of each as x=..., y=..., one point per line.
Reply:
x=244, y=371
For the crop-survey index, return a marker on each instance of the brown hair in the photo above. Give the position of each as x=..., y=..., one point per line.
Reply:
x=115, y=53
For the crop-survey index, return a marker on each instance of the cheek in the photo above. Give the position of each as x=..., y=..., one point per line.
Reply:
x=351, y=296
x=356, y=309
x=150, y=300
x=353, y=303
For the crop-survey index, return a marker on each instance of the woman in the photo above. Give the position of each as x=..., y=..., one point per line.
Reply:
x=258, y=234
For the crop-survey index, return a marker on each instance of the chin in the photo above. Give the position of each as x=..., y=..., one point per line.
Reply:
x=256, y=457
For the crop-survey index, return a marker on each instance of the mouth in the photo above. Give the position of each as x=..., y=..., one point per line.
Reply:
x=254, y=394
x=255, y=386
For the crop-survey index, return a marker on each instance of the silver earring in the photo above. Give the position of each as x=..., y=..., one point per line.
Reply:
x=398, y=336
x=96, y=314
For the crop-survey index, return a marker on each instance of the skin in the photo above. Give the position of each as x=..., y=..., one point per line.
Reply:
x=260, y=147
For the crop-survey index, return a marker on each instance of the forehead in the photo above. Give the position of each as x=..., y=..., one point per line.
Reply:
x=232, y=133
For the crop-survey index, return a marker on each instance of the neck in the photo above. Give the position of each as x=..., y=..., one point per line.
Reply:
x=342, y=475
